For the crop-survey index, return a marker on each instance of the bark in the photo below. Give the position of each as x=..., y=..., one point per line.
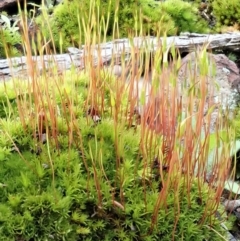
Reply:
x=185, y=43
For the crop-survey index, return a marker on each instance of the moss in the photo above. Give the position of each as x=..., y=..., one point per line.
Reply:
x=133, y=17
x=69, y=18
x=10, y=39
x=9, y=43
x=76, y=192
x=226, y=12
x=151, y=20
x=185, y=16
x=68, y=21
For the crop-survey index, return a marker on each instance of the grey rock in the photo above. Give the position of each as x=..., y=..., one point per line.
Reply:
x=231, y=237
x=230, y=205
x=73, y=50
x=227, y=66
x=8, y=3
x=222, y=82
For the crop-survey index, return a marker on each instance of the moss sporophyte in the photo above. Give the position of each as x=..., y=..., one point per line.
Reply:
x=86, y=156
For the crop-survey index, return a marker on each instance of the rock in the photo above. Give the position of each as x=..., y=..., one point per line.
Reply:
x=224, y=67
x=73, y=50
x=11, y=6
x=231, y=205
x=222, y=81
x=230, y=237
x=58, y=1
x=229, y=68
x=5, y=4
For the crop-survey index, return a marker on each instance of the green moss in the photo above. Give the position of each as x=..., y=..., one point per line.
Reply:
x=150, y=19
x=71, y=21
x=10, y=39
x=226, y=12
x=77, y=192
x=9, y=42
x=185, y=16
